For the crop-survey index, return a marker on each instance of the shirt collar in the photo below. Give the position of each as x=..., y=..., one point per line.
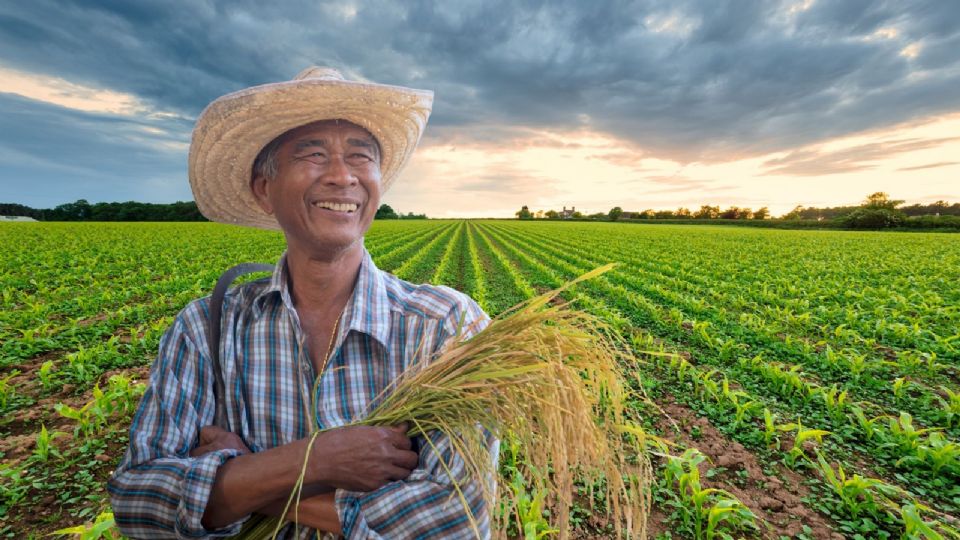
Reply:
x=276, y=285
x=367, y=311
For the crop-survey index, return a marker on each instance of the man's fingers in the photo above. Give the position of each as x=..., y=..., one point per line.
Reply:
x=407, y=460
x=213, y=438
x=398, y=473
x=401, y=441
x=211, y=433
x=201, y=450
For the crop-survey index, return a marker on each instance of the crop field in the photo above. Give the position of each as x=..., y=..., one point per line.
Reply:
x=807, y=382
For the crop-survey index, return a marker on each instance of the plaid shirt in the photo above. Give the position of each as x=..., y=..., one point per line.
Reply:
x=158, y=491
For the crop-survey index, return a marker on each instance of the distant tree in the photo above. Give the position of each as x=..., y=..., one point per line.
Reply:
x=939, y=208
x=878, y=211
x=75, y=211
x=664, y=214
x=524, y=213
x=735, y=212
x=598, y=216
x=873, y=218
x=880, y=200
x=13, y=209
x=615, y=213
x=762, y=213
x=385, y=212
x=796, y=213
x=539, y=214
x=707, y=212
x=551, y=214
x=682, y=213
x=577, y=215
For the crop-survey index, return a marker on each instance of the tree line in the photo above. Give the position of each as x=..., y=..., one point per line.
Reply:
x=82, y=210
x=387, y=212
x=877, y=211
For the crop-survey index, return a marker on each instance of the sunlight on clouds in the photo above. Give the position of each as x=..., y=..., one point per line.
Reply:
x=886, y=33
x=669, y=23
x=346, y=12
x=911, y=50
x=66, y=94
x=800, y=7
x=595, y=172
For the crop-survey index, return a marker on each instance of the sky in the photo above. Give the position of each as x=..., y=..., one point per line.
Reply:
x=638, y=104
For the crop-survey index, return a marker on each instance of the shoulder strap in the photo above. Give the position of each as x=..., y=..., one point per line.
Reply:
x=214, y=331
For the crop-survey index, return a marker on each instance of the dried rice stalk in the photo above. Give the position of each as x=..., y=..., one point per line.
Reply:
x=550, y=377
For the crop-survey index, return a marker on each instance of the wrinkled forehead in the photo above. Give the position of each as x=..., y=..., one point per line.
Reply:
x=344, y=126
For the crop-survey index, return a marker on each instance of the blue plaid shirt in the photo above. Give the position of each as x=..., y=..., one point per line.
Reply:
x=159, y=491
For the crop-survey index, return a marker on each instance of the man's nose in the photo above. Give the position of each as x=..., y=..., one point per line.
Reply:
x=338, y=172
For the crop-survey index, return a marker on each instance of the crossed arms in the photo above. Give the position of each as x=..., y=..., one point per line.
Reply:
x=180, y=480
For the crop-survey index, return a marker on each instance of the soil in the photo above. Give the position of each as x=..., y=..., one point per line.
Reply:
x=775, y=499
x=21, y=427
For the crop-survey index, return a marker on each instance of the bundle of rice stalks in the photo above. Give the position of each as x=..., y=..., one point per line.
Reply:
x=549, y=377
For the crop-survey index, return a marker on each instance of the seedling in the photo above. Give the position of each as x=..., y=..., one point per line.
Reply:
x=44, y=447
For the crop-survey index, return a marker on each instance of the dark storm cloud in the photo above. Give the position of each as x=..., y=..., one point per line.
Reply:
x=682, y=79
x=50, y=155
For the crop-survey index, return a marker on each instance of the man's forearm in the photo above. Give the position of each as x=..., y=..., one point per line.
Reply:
x=317, y=512
x=245, y=483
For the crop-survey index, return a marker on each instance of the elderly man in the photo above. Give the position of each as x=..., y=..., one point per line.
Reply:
x=309, y=348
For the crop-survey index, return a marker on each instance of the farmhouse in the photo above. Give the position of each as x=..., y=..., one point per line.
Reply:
x=4, y=219
x=567, y=214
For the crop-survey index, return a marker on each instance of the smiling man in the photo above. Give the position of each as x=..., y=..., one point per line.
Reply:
x=311, y=347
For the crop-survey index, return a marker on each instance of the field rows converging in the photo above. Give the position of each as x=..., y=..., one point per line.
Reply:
x=806, y=384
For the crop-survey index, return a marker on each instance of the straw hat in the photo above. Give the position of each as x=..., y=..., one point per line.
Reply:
x=232, y=130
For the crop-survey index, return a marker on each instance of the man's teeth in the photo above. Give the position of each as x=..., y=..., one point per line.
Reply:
x=337, y=207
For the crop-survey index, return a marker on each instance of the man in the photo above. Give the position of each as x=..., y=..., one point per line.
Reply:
x=309, y=348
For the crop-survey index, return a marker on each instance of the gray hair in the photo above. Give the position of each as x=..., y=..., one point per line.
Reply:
x=267, y=164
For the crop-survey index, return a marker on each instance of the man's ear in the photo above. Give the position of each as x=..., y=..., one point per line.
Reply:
x=260, y=187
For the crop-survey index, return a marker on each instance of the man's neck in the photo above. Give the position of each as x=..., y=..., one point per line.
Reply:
x=323, y=285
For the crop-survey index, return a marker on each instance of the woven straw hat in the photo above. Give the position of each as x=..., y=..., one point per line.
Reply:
x=232, y=130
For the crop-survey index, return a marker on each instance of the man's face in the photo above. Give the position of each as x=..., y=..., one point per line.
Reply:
x=327, y=188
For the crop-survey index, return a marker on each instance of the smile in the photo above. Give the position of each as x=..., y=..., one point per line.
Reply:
x=336, y=207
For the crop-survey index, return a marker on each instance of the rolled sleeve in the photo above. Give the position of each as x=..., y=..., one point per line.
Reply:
x=424, y=505
x=159, y=491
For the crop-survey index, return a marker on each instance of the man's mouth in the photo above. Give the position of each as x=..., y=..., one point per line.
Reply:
x=336, y=207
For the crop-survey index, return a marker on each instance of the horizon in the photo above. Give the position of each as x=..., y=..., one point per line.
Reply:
x=642, y=105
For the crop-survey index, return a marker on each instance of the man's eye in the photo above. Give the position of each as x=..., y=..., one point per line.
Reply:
x=359, y=158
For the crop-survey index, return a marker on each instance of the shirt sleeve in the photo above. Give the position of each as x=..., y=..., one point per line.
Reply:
x=159, y=491
x=426, y=504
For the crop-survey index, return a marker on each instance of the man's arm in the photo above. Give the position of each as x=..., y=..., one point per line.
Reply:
x=355, y=457
x=439, y=498
x=160, y=490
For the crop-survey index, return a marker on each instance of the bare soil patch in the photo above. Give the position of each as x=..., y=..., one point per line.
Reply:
x=776, y=499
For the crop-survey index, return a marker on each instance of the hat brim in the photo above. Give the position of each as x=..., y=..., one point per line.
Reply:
x=232, y=130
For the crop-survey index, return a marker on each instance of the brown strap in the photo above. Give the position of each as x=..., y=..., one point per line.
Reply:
x=214, y=331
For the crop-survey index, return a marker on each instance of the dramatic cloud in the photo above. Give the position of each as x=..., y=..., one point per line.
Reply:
x=681, y=81
x=819, y=163
x=930, y=166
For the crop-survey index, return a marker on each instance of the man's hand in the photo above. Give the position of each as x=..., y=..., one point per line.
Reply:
x=213, y=438
x=362, y=458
